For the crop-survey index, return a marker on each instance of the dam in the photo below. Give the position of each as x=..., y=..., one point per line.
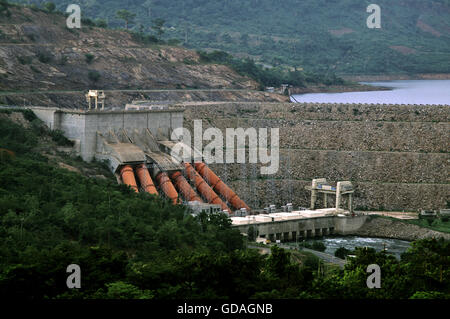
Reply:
x=396, y=157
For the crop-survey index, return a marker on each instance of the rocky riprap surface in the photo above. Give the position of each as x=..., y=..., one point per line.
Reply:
x=390, y=228
x=397, y=156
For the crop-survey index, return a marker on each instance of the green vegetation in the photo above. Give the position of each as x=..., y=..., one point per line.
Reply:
x=318, y=36
x=34, y=69
x=126, y=16
x=434, y=224
x=342, y=252
x=25, y=59
x=49, y=6
x=157, y=26
x=316, y=245
x=44, y=57
x=140, y=246
x=89, y=58
x=4, y=8
x=268, y=77
x=437, y=223
x=94, y=75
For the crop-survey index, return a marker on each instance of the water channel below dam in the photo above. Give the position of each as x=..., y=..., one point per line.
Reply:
x=393, y=246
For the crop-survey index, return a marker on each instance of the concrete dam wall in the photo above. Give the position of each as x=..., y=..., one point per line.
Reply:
x=397, y=156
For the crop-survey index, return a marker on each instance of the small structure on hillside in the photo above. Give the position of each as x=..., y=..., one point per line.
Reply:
x=444, y=213
x=98, y=96
x=427, y=214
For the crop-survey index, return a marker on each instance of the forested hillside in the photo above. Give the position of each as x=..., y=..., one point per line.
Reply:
x=316, y=35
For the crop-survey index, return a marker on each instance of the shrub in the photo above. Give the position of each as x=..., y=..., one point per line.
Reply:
x=252, y=233
x=101, y=23
x=189, y=61
x=32, y=37
x=89, y=58
x=173, y=42
x=44, y=57
x=88, y=22
x=59, y=138
x=144, y=38
x=94, y=76
x=49, y=6
x=342, y=252
x=63, y=60
x=319, y=246
x=25, y=59
x=35, y=70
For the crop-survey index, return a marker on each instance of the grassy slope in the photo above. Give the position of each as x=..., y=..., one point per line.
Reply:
x=437, y=224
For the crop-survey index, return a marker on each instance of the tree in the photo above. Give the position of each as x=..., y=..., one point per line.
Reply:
x=127, y=16
x=49, y=6
x=342, y=252
x=4, y=6
x=101, y=23
x=89, y=57
x=244, y=39
x=319, y=246
x=122, y=290
x=94, y=76
x=252, y=233
x=157, y=26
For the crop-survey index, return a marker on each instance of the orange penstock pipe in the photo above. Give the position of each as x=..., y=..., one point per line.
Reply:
x=145, y=179
x=167, y=186
x=127, y=175
x=220, y=187
x=184, y=188
x=203, y=188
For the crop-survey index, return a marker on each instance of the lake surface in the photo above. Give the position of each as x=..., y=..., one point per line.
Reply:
x=403, y=92
x=394, y=246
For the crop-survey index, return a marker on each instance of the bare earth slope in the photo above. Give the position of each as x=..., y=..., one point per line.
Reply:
x=38, y=52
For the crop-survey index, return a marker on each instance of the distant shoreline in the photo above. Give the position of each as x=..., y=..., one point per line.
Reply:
x=395, y=77
x=337, y=89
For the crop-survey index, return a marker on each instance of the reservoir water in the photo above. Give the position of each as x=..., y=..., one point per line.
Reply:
x=403, y=92
x=393, y=246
